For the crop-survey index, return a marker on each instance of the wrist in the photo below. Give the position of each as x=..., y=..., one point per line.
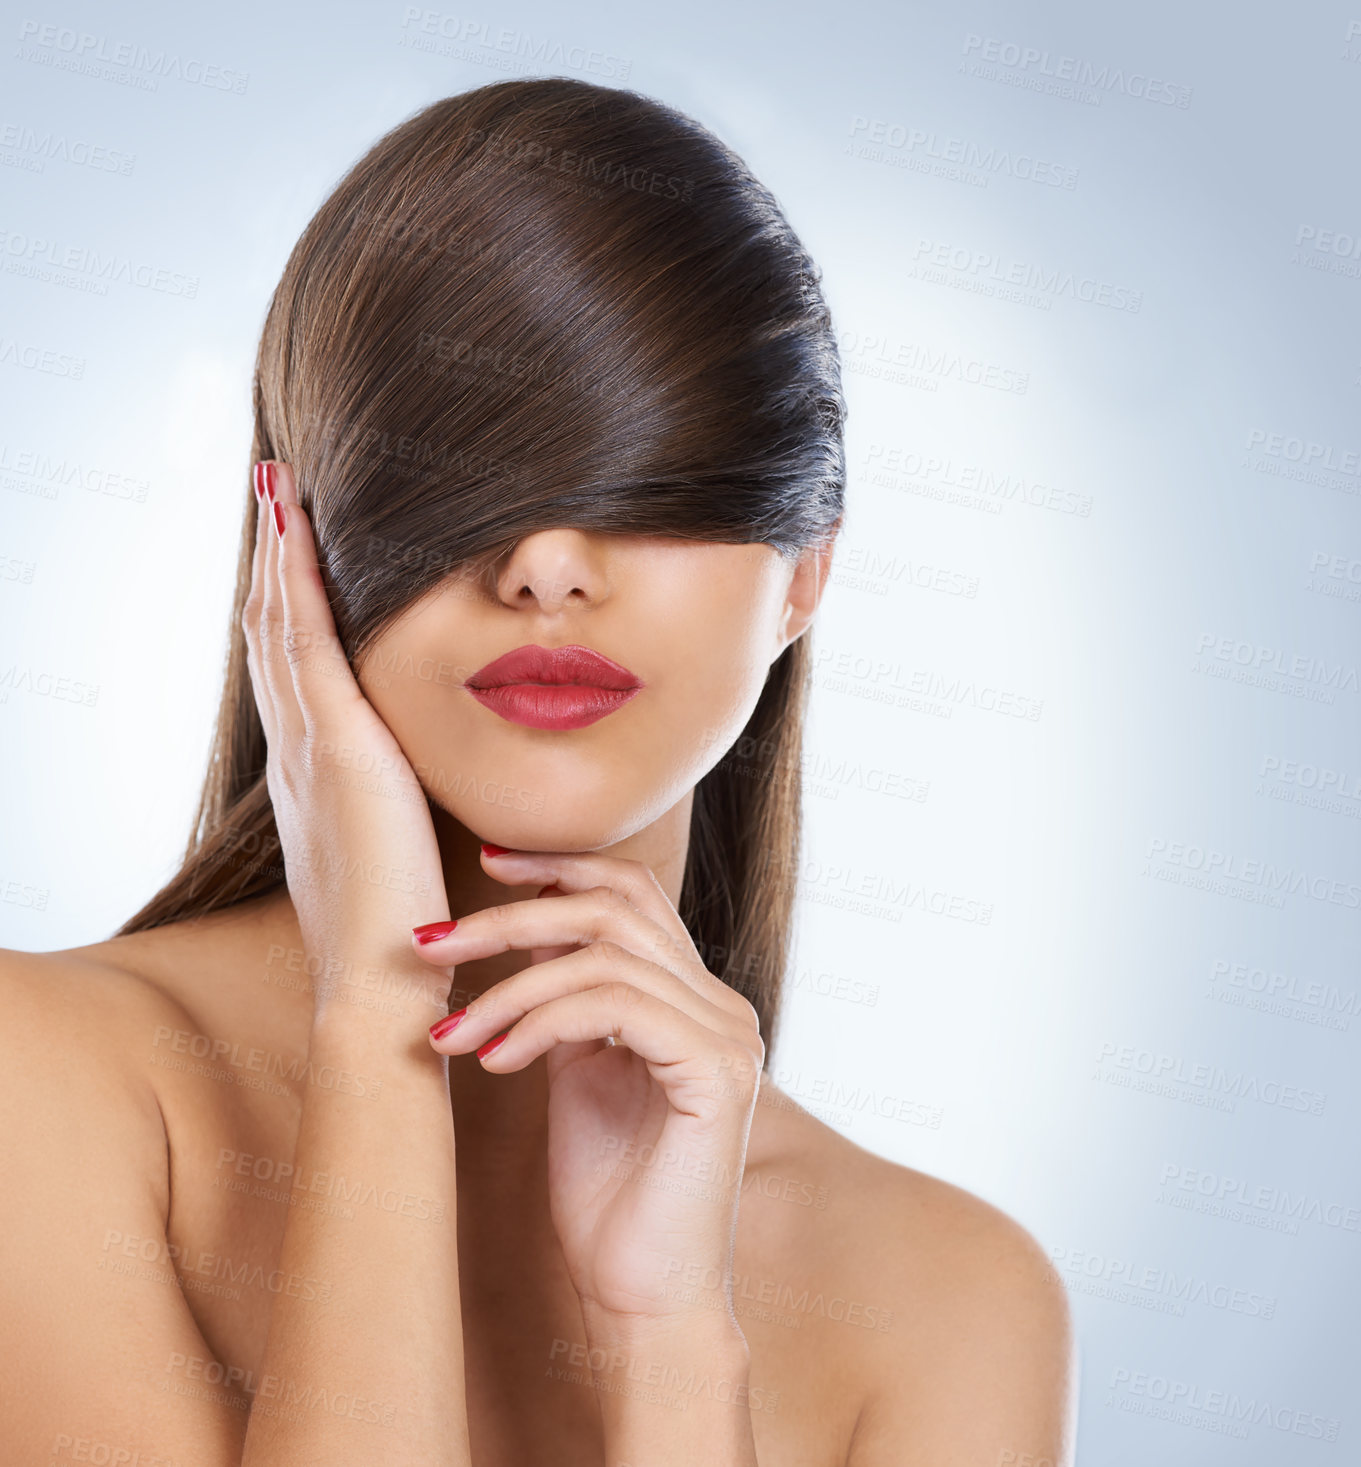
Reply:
x=674, y=1391
x=371, y=986
x=709, y=1331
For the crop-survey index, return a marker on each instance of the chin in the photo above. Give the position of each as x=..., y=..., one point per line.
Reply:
x=563, y=798
x=574, y=823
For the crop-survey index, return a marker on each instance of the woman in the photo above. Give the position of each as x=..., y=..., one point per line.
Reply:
x=548, y=468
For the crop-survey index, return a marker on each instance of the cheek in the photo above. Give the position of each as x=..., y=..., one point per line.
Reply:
x=415, y=689
x=712, y=687
x=715, y=669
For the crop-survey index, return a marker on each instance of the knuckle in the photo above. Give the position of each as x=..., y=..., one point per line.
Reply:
x=731, y=1001
x=741, y=1066
x=746, y=1011
x=603, y=950
x=607, y=905
x=296, y=644
x=620, y=994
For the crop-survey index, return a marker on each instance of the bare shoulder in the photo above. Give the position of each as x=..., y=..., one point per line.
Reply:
x=982, y=1367
x=71, y=1079
x=84, y=1001
x=89, y=1311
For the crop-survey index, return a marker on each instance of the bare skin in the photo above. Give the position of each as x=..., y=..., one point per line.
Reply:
x=887, y=1317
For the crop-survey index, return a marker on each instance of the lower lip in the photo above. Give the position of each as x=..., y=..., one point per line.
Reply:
x=556, y=705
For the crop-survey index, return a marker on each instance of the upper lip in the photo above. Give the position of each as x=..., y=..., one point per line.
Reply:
x=573, y=664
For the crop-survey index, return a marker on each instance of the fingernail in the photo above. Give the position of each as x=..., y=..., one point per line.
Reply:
x=263, y=478
x=278, y=517
x=433, y=931
x=490, y=850
x=490, y=1045
x=447, y=1026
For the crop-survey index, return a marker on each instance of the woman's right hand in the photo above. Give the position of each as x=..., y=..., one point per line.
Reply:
x=360, y=854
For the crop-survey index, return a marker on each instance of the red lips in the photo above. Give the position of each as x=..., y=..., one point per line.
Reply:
x=580, y=666
x=557, y=688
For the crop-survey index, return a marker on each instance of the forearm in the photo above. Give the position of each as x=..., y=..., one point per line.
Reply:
x=673, y=1396
x=369, y=1370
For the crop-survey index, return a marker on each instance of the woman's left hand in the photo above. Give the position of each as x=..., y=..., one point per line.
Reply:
x=647, y=1137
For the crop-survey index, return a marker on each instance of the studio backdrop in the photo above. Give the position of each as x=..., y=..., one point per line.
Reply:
x=1079, y=903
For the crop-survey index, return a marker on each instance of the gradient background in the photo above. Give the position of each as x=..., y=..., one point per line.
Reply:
x=1090, y=656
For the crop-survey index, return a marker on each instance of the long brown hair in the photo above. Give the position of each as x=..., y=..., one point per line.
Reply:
x=539, y=303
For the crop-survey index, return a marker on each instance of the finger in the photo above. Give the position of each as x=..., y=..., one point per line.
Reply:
x=261, y=477
x=323, y=680
x=568, y=920
x=634, y=881
x=579, y=871
x=699, y=1070
x=273, y=657
x=508, y=1001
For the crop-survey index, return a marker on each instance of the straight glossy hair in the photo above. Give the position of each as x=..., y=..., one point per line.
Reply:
x=540, y=303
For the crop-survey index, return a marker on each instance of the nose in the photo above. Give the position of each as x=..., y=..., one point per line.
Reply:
x=551, y=570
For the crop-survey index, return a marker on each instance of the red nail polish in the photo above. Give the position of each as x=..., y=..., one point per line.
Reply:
x=263, y=478
x=447, y=1026
x=433, y=931
x=257, y=479
x=490, y=1045
x=279, y=518
x=490, y=850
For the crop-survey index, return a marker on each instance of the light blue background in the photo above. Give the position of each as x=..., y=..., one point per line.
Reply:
x=1170, y=503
